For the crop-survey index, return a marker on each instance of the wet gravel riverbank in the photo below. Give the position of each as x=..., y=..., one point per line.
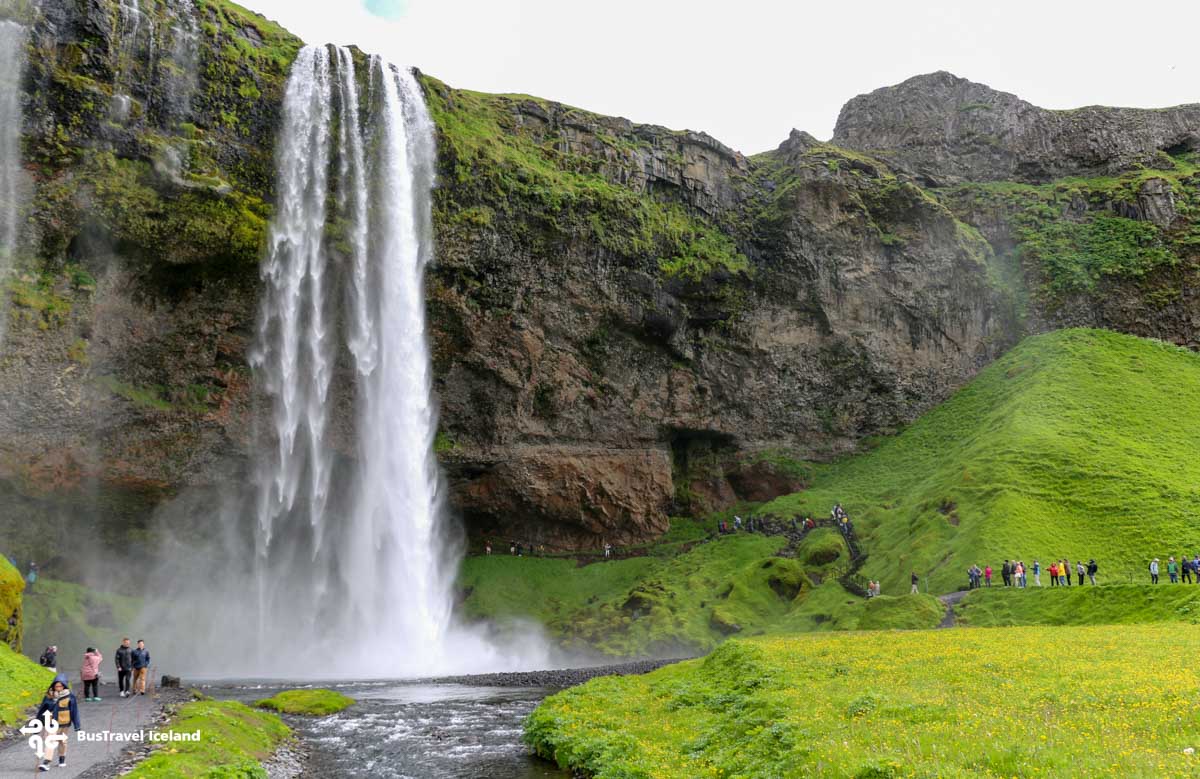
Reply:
x=554, y=679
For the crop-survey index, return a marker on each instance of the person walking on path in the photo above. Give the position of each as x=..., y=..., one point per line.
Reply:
x=1080, y=570
x=62, y=708
x=987, y=575
x=49, y=658
x=1037, y=573
x=1172, y=570
x=1064, y=573
x=1006, y=573
x=916, y=580
x=1053, y=570
x=1020, y=574
x=124, y=660
x=89, y=672
x=1185, y=570
x=141, y=664
x=1092, y=568
x=1154, y=571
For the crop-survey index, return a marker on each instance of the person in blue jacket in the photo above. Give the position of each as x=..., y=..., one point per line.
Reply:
x=140, y=658
x=62, y=707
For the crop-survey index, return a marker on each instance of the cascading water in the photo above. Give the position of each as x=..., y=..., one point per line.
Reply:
x=12, y=61
x=351, y=560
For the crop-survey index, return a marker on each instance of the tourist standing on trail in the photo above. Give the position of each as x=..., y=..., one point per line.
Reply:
x=62, y=707
x=1080, y=571
x=737, y=523
x=1006, y=573
x=1173, y=570
x=141, y=665
x=1185, y=570
x=1037, y=573
x=487, y=547
x=1064, y=573
x=1154, y=571
x=987, y=575
x=124, y=661
x=1020, y=573
x=49, y=658
x=1053, y=570
x=89, y=672
x=915, y=581
x=1092, y=568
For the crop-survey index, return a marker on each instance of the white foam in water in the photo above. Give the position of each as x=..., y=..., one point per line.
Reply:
x=352, y=569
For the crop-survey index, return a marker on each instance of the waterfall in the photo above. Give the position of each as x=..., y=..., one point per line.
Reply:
x=12, y=61
x=351, y=559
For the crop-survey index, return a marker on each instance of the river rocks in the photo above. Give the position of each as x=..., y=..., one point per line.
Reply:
x=945, y=129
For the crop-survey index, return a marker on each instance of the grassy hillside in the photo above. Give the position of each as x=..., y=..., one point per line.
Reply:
x=22, y=683
x=1076, y=444
x=234, y=740
x=1122, y=604
x=940, y=703
x=11, y=587
x=73, y=617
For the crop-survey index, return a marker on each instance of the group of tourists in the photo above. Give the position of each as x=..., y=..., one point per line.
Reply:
x=133, y=664
x=1184, y=570
x=752, y=524
x=518, y=549
x=1014, y=573
x=60, y=705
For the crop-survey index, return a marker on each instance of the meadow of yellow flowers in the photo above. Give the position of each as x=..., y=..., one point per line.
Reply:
x=1068, y=702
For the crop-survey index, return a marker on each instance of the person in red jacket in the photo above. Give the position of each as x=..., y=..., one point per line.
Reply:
x=89, y=672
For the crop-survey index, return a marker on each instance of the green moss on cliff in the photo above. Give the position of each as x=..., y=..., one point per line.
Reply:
x=499, y=167
x=11, y=587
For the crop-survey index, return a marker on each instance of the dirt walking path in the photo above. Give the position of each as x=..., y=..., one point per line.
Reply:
x=950, y=600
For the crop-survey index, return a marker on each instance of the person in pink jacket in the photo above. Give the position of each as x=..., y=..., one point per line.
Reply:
x=90, y=673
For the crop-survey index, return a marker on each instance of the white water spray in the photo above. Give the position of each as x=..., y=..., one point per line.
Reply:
x=12, y=62
x=352, y=564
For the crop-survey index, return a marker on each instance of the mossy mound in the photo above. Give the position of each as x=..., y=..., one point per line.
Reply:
x=22, y=683
x=11, y=587
x=234, y=740
x=317, y=703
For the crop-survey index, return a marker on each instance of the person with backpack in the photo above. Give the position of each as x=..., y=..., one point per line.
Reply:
x=58, y=706
x=89, y=672
x=49, y=658
x=1091, y=570
x=1154, y=571
x=124, y=661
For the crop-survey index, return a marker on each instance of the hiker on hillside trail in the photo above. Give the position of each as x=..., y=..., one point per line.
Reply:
x=49, y=658
x=62, y=708
x=1053, y=571
x=1185, y=570
x=737, y=523
x=1091, y=570
x=1037, y=573
x=1005, y=573
x=1020, y=574
x=1080, y=571
x=124, y=661
x=1154, y=571
x=987, y=575
x=1172, y=570
x=1196, y=567
x=89, y=672
x=915, y=581
x=1064, y=573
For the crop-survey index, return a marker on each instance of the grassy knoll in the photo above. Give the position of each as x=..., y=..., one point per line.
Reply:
x=234, y=739
x=943, y=703
x=11, y=587
x=313, y=702
x=22, y=683
x=73, y=617
x=1078, y=444
x=1105, y=605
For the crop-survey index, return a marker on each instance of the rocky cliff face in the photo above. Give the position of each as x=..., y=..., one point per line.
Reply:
x=627, y=320
x=946, y=130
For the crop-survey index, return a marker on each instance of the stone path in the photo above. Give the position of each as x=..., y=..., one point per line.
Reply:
x=950, y=600
x=113, y=713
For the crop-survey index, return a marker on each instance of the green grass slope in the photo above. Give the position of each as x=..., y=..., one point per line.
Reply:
x=316, y=703
x=74, y=617
x=940, y=703
x=234, y=740
x=1105, y=605
x=1077, y=444
x=22, y=683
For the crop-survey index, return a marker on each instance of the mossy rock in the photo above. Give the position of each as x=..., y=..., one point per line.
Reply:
x=318, y=703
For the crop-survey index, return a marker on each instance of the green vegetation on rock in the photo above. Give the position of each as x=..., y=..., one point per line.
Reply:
x=11, y=586
x=74, y=617
x=943, y=703
x=312, y=702
x=22, y=684
x=1075, y=444
x=234, y=739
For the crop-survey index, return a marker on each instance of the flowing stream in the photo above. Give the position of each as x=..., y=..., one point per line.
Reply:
x=12, y=64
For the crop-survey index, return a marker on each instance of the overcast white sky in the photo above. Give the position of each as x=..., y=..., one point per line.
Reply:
x=748, y=71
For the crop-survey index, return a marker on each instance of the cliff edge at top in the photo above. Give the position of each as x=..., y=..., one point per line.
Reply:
x=945, y=129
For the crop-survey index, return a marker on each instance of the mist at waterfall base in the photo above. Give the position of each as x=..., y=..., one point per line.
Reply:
x=338, y=559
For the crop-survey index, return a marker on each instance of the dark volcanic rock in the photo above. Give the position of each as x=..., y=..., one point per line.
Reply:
x=945, y=129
